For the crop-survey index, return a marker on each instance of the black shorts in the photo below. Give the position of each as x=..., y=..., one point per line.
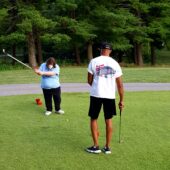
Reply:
x=109, y=107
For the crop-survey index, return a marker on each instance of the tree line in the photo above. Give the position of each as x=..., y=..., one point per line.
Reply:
x=82, y=24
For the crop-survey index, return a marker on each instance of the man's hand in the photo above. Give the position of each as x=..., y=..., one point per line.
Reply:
x=121, y=105
x=120, y=91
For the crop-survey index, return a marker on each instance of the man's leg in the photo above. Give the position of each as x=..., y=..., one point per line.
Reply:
x=109, y=130
x=109, y=112
x=94, y=110
x=94, y=131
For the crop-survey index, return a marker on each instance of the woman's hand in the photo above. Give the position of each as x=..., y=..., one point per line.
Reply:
x=37, y=71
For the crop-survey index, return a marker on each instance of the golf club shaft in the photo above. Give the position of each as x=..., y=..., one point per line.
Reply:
x=120, y=127
x=17, y=60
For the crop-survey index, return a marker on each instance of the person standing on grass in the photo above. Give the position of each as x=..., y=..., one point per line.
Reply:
x=104, y=73
x=50, y=85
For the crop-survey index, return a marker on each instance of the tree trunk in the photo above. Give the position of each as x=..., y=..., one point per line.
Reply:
x=38, y=48
x=138, y=54
x=153, y=54
x=31, y=50
x=135, y=54
x=120, y=56
x=138, y=46
x=78, y=61
x=90, y=51
x=167, y=45
x=13, y=53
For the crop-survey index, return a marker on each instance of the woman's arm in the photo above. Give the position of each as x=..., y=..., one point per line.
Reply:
x=43, y=73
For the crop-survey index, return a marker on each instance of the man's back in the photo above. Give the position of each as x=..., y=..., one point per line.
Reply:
x=104, y=70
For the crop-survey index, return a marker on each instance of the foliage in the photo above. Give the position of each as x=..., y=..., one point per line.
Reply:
x=32, y=18
x=59, y=38
x=14, y=37
x=75, y=23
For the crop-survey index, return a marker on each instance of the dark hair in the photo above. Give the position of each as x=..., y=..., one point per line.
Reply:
x=51, y=61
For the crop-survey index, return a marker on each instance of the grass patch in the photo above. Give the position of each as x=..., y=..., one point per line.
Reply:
x=30, y=140
x=147, y=74
x=79, y=74
x=9, y=66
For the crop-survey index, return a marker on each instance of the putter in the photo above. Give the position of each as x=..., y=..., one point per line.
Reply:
x=120, y=122
x=16, y=59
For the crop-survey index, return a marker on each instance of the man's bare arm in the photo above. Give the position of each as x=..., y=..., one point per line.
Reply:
x=90, y=78
x=120, y=89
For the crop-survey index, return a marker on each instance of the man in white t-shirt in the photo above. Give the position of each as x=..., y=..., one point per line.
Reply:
x=104, y=73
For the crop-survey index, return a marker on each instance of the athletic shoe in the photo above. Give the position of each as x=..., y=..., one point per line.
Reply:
x=106, y=150
x=61, y=112
x=47, y=113
x=93, y=149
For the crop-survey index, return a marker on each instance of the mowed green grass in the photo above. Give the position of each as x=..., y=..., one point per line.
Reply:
x=30, y=140
x=79, y=74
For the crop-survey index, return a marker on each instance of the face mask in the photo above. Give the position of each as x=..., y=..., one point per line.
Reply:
x=50, y=66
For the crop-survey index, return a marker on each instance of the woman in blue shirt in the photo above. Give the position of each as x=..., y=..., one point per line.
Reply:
x=50, y=85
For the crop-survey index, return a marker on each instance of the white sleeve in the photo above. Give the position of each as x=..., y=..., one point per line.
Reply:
x=118, y=71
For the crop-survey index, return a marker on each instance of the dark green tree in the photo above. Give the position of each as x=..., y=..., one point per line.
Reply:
x=9, y=35
x=158, y=21
x=73, y=23
x=151, y=27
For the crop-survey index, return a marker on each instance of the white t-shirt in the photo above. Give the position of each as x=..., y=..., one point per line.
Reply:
x=105, y=70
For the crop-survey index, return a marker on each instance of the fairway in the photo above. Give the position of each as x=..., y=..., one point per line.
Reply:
x=31, y=141
x=79, y=75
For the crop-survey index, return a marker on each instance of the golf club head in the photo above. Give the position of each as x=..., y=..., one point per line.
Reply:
x=3, y=50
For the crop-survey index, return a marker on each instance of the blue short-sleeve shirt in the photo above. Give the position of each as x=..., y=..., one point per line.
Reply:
x=49, y=82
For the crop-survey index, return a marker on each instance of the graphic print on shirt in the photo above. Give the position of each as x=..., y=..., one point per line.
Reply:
x=105, y=71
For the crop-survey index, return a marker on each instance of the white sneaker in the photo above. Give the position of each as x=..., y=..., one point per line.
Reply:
x=47, y=113
x=60, y=112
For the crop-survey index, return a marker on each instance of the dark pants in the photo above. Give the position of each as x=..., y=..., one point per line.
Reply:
x=56, y=95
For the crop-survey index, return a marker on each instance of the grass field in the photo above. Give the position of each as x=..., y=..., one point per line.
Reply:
x=31, y=141
x=79, y=74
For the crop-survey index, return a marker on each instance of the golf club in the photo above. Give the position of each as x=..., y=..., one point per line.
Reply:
x=120, y=122
x=16, y=59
